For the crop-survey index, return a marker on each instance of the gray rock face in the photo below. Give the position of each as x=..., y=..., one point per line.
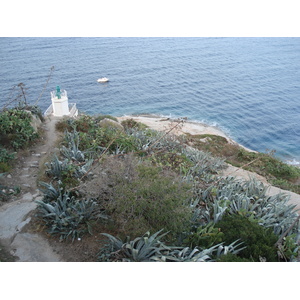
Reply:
x=27, y=247
x=111, y=123
x=33, y=248
x=11, y=217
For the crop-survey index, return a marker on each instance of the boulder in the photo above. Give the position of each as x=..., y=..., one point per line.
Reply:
x=106, y=123
x=35, y=121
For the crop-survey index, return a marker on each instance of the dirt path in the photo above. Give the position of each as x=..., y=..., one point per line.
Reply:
x=17, y=213
x=272, y=190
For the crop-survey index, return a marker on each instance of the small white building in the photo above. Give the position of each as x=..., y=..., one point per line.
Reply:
x=60, y=105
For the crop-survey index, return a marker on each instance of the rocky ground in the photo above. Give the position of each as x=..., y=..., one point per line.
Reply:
x=16, y=214
x=22, y=239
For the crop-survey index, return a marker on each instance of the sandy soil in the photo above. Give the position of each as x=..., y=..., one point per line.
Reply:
x=183, y=127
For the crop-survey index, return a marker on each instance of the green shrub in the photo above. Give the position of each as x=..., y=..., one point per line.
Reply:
x=143, y=197
x=72, y=152
x=5, y=155
x=130, y=123
x=204, y=236
x=172, y=160
x=259, y=241
x=289, y=248
x=67, y=171
x=15, y=128
x=4, y=167
x=232, y=258
x=84, y=123
x=248, y=198
x=66, y=124
x=268, y=165
x=281, y=170
x=96, y=139
x=34, y=109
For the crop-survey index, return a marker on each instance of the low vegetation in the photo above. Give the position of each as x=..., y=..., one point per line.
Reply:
x=16, y=133
x=266, y=164
x=155, y=198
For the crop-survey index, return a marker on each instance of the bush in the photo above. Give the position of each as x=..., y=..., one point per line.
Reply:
x=96, y=138
x=144, y=197
x=130, y=123
x=204, y=236
x=259, y=241
x=171, y=160
x=268, y=165
x=84, y=123
x=67, y=171
x=232, y=258
x=4, y=167
x=5, y=155
x=16, y=131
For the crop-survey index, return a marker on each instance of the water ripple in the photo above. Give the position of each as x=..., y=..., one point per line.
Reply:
x=248, y=86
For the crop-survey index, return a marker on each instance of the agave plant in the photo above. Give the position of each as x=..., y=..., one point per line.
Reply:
x=156, y=140
x=204, y=162
x=233, y=248
x=72, y=152
x=250, y=197
x=184, y=255
x=143, y=138
x=68, y=216
x=49, y=191
x=140, y=249
x=56, y=167
x=197, y=255
x=150, y=248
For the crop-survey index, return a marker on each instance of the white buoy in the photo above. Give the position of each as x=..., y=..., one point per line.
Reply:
x=103, y=79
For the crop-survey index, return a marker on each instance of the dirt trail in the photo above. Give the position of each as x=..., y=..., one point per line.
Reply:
x=272, y=190
x=17, y=213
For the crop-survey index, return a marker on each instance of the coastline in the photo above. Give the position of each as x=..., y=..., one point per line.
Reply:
x=161, y=123
x=164, y=123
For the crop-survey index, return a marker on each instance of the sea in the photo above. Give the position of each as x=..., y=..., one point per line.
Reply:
x=246, y=86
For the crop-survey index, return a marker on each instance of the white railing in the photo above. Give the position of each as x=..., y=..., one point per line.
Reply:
x=48, y=111
x=73, y=110
x=63, y=93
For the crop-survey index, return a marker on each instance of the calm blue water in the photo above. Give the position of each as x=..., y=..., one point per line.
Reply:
x=248, y=87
